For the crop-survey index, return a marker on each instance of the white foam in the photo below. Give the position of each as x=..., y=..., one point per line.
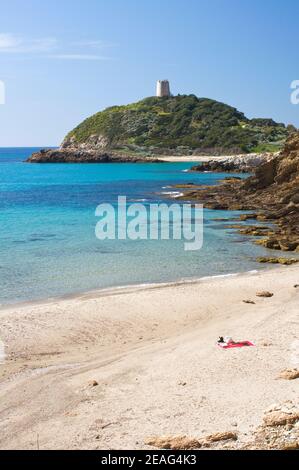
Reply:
x=181, y=281
x=172, y=193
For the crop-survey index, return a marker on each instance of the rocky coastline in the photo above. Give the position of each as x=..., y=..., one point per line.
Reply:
x=235, y=164
x=272, y=194
x=66, y=155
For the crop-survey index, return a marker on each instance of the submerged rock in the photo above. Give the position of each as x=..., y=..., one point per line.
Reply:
x=174, y=443
x=284, y=261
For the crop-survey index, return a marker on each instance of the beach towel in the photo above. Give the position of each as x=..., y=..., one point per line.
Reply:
x=240, y=344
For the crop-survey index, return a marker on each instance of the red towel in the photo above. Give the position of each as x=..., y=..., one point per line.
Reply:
x=240, y=344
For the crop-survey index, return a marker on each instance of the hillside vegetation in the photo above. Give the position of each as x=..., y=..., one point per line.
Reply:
x=179, y=124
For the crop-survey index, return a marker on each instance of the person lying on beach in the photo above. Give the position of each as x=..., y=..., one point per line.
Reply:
x=227, y=343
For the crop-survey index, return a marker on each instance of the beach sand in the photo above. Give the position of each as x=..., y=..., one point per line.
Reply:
x=189, y=158
x=151, y=354
x=199, y=159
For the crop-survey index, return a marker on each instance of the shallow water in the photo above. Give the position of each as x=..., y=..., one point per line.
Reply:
x=47, y=238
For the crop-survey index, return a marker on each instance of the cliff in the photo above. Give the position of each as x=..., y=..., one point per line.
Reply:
x=179, y=125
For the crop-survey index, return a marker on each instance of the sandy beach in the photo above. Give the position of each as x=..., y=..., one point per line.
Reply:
x=189, y=158
x=107, y=370
x=199, y=159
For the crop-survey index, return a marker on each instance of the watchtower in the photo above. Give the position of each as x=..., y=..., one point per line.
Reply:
x=163, y=88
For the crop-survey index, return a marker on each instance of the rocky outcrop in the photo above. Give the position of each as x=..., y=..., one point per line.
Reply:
x=279, y=430
x=272, y=192
x=238, y=163
x=71, y=155
x=189, y=443
x=289, y=374
x=92, y=144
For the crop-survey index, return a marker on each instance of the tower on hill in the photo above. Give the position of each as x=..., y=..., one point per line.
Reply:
x=163, y=88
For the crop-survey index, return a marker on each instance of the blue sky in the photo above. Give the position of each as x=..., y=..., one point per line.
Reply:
x=63, y=60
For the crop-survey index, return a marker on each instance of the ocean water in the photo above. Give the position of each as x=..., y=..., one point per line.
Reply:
x=48, y=245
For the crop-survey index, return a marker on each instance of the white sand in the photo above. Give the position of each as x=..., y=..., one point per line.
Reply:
x=202, y=158
x=192, y=158
x=153, y=353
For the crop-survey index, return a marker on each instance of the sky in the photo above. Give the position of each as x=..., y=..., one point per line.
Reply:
x=63, y=60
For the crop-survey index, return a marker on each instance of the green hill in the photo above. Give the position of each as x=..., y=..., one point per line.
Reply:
x=179, y=124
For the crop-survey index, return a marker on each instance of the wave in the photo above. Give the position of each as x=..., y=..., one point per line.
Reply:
x=172, y=193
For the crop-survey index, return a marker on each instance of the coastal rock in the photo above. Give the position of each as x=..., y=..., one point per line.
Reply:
x=271, y=193
x=187, y=443
x=279, y=430
x=284, y=261
x=278, y=418
x=238, y=163
x=289, y=374
x=265, y=294
x=221, y=436
x=92, y=144
x=93, y=383
x=71, y=155
x=174, y=443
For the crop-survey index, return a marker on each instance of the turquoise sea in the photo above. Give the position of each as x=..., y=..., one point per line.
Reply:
x=48, y=245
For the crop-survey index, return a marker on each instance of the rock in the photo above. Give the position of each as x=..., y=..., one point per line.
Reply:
x=66, y=155
x=284, y=261
x=221, y=436
x=270, y=194
x=278, y=418
x=290, y=446
x=245, y=217
x=187, y=443
x=289, y=374
x=93, y=383
x=265, y=294
x=174, y=443
x=249, y=302
x=278, y=431
x=237, y=163
x=286, y=245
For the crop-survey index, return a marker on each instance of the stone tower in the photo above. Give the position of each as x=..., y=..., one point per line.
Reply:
x=163, y=88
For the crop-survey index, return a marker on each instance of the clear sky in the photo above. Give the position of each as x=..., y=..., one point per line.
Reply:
x=63, y=60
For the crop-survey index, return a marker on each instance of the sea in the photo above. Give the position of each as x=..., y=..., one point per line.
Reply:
x=48, y=246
